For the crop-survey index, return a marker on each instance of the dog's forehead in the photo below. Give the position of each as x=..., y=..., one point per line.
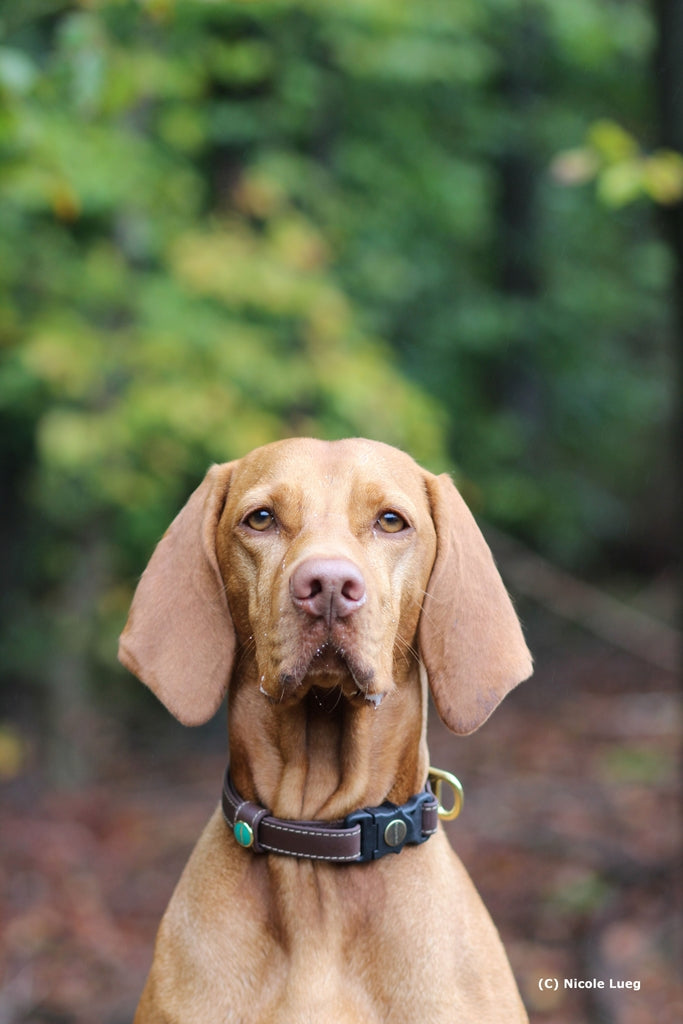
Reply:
x=349, y=465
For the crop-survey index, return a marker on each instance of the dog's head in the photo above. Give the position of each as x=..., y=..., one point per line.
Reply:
x=328, y=564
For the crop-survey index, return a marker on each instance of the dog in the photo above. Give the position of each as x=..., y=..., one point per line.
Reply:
x=326, y=586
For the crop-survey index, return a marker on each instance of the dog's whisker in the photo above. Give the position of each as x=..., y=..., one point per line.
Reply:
x=407, y=650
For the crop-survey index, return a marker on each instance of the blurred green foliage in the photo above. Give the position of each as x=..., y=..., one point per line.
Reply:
x=222, y=223
x=623, y=171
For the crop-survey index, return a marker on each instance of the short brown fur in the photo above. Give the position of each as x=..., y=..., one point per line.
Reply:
x=269, y=939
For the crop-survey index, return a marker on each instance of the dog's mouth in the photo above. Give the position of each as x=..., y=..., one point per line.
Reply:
x=330, y=660
x=329, y=670
x=332, y=665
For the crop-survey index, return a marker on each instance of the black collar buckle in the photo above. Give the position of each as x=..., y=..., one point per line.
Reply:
x=389, y=827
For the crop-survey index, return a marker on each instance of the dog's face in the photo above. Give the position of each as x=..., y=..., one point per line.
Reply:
x=326, y=549
x=328, y=564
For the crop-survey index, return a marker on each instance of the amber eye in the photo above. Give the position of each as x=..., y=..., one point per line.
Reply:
x=261, y=519
x=391, y=522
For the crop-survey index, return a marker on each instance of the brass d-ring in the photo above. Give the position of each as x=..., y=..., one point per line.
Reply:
x=437, y=777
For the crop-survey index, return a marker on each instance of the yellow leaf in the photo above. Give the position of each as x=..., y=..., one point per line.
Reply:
x=65, y=202
x=258, y=194
x=619, y=184
x=612, y=142
x=12, y=752
x=663, y=177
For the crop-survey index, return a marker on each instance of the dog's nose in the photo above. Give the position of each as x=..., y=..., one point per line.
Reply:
x=327, y=588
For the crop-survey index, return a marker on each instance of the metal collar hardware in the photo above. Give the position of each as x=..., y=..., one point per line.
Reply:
x=437, y=777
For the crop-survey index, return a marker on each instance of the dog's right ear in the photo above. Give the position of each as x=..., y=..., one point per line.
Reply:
x=179, y=638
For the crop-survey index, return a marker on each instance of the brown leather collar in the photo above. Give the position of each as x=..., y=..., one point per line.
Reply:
x=362, y=836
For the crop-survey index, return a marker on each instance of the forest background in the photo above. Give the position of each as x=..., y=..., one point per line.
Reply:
x=453, y=226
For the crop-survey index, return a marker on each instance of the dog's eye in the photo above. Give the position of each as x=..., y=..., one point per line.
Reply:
x=261, y=519
x=391, y=522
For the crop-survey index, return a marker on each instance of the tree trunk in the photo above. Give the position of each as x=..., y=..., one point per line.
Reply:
x=669, y=79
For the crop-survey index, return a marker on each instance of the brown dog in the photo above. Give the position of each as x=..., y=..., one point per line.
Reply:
x=323, y=584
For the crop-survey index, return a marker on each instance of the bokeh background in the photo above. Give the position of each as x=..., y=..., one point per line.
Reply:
x=454, y=226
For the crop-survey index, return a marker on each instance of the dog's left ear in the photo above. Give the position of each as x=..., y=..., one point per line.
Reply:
x=470, y=639
x=179, y=638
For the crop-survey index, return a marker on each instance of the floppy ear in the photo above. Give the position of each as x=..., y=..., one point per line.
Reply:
x=470, y=638
x=179, y=639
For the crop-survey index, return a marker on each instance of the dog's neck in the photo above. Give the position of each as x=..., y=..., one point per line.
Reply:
x=325, y=755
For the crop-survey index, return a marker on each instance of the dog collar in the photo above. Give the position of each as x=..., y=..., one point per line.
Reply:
x=362, y=836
